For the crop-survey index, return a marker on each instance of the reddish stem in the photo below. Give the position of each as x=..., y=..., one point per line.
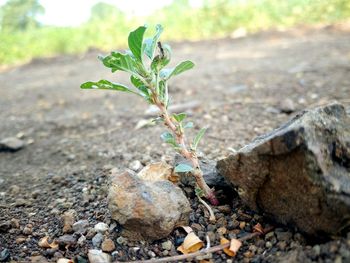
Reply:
x=189, y=155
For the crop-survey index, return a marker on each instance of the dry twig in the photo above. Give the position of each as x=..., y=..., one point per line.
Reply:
x=200, y=252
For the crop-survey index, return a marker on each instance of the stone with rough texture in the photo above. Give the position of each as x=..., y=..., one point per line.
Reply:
x=299, y=174
x=146, y=209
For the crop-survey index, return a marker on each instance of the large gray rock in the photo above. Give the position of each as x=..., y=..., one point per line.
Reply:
x=146, y=209
x=299, y=174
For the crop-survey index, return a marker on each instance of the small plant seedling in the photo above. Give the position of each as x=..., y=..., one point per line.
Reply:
x=145, y=62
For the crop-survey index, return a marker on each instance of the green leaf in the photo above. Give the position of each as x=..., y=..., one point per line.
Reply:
x=162, y=91
x=179, y=117
x=105, y=84
x=151, y=43
x=182, y=67
x=144, y=91
x=183, y=168
x=169, y=138
x=135, y=41
x=188, y=125
x=136, y=81
x=118, y=61
x=198, y=138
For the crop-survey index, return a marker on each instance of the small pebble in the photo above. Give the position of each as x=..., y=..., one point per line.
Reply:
x=57, y=179
x=4, y=254
x=11, y=144
x=66, y=240
x=101, y=227
x=64, y=260
x=38, y=259
x=68, y=219
x=287, y=106
x=268, y=244
x=28, y=230
x=122, y=241
x=80, y=226
x=36, y=193
x=151, y=254
x=97, y=240
x=108, y=245
x=20, y=240
x=90, y=233
x=135, y=165
x=317, y=249
x=196, y=227
x=211, y=227
x=242, y=225
x=167, y=245
x=22, y=202
x=269, y=235
x=97, y=256
x=222, y=230
x=81, y=240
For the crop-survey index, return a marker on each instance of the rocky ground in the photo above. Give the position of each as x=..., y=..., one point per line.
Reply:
x=72, y=138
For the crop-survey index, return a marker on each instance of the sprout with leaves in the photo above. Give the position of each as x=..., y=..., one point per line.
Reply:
x=150, y=80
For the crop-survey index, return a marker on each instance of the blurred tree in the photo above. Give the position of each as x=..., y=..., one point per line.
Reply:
x=105, y=25
x=103, y=11
x=20, y=14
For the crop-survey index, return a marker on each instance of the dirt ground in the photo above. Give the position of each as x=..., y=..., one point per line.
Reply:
x=245, y=87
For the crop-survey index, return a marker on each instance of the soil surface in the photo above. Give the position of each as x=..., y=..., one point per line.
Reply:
x=245, y=87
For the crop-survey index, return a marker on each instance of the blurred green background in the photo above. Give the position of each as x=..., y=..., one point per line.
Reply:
x=23, y=37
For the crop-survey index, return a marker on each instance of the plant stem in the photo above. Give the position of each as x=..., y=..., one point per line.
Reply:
x=189, y=155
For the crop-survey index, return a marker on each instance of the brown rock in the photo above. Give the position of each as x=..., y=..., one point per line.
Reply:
x=15, y=223
x=146, y=209
x=298, y=174
x=28, y=229
x=20, y=240
x=108, y=245
x=68, y=219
